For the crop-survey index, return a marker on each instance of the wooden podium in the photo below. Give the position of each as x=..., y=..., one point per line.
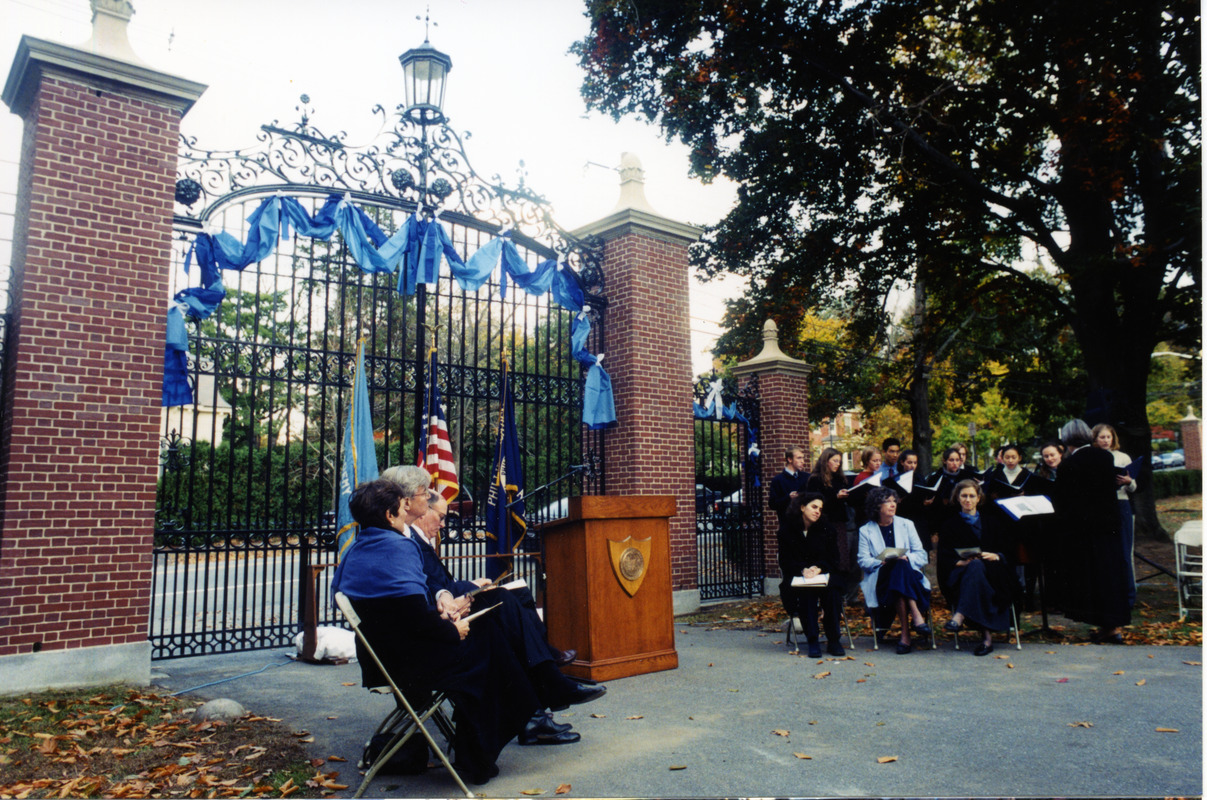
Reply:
x=608, y=586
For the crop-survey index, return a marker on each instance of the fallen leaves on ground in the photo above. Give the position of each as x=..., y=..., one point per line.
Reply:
x=1081, y=724
x=1142, y=681
x=1168, y=730
x=886, y=759
x=821, y=675
x=674, y=767
x=133, y=743
x=636, y=716
x=803, y=756
x=562, y=789
x=781, y=732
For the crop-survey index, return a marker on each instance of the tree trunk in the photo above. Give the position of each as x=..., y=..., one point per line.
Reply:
x=918, y=390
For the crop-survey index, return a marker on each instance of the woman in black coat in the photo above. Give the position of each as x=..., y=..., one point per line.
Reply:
x=1095, y=572
x=979, y=586
x=808, y=547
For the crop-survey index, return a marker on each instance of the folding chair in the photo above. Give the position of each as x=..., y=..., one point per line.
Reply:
x=1189, y=566
x=404, y=720
x=795, y=628
x=882, y=628
x=1018, y=637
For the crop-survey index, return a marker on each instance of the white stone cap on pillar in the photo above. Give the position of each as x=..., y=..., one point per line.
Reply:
x=771, y=357
x=633, y=213
x=1190, y=417
x=110, y=20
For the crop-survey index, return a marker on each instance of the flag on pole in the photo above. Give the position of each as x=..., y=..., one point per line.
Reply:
x=505, y=526
x=435, y=449
x=360, y=456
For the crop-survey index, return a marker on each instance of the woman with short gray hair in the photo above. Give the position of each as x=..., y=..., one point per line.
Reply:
x=891, y=557
x=1095, y=569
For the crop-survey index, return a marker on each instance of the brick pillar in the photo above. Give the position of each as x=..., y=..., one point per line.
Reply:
x=1192, y=441
x=84, y=360
x=648, y=348
x=784, y=410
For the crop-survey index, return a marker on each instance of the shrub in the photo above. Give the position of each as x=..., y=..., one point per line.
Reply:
x=1177, y=482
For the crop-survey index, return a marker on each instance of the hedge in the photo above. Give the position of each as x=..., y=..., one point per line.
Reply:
x=1177, y=482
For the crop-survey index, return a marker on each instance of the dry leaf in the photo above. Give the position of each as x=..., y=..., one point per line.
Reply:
x=861, y=680
x=599, y=716
x=678, y=766
x=1009, y=666
x=532, y=792
x=1142, y=681
x=562, y=789
x=780, y=732
x=1001, y=656
x=812, y=722
x=710, y=663
x=332, y=717
x=348, y=683
x=1117, y=672
x=1062, y=680
x=1191, y=663
x=635, y=716
x=1081, y=724
x=868, y=664
x=802, y=755
x=885, y=759
x=821, y=675
x=1050, y=652
x=1168, y=730
x=336, y=758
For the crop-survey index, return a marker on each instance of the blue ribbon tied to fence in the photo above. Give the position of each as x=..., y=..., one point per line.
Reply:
x=415, y=251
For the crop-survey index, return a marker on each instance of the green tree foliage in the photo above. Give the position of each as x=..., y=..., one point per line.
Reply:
x=880, y=142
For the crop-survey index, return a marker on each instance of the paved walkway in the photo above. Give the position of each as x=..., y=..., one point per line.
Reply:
x=732, y=718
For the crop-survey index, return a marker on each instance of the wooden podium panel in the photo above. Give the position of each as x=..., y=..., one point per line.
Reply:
x=587, y=606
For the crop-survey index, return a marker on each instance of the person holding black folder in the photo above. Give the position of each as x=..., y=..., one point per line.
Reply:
x=974, y=567
x=808, y=551
x=828, y=480
x=1106, y=439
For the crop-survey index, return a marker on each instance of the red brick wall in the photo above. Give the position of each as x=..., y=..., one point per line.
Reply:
x=784, y=410
x=1192, y=443
x=78, y=456
x=648, y=348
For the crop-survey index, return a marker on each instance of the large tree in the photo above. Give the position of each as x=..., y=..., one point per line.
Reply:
x=875, y=142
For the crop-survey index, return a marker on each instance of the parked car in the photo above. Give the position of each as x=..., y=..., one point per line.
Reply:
x=1175, y=458
x=1158, y=461
x=705, y=498
x=731, y=502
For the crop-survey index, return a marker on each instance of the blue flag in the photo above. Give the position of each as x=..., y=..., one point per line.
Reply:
x=360, y=456
x=505, y=526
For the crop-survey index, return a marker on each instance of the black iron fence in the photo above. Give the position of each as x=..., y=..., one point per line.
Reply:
x=729, y=501
x=249, y=471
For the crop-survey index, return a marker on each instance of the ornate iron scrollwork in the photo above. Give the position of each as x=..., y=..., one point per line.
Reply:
x=406, y=164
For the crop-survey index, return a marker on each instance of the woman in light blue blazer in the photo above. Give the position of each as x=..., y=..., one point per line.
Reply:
x=894, y=583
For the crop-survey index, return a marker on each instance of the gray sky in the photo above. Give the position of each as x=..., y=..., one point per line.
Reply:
x=513, y=85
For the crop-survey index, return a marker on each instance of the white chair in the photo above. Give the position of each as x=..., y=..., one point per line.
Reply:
x=1018, y=638
x=404, y=721
x=1189, y=566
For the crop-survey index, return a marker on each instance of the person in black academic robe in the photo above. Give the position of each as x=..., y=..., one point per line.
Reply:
x=808, y=546
x=1094, y=570
x=939, y=504
x=979, y=588
x=789, y=482
x=494, y=695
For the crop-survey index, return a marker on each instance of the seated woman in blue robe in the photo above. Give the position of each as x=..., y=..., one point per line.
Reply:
x=979, y=586
x=893, y=582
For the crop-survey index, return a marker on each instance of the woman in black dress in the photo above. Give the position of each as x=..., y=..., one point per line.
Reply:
x=808, y=547
x=979, y=586
x=1095, y=572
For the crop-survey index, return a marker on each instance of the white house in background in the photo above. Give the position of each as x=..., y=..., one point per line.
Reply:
x=211, y=411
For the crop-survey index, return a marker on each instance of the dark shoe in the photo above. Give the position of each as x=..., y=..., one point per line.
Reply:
x=952, y=626
x=814, y=650
x=983, y=649
x=541, y=729
x=579, y=694
x=921, y=630
x=836, y=650
x=1114, y=638
x=903, y=649
x=565, y=657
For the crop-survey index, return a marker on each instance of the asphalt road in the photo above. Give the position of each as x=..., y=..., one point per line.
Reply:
x=732, y=718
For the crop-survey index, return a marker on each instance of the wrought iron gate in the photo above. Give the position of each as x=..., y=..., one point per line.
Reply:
x=249, y=471
x=729, y=500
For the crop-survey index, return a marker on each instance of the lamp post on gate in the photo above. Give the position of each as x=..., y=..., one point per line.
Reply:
x=425, y=72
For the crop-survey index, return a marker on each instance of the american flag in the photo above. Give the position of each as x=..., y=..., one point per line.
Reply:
x=436, y=451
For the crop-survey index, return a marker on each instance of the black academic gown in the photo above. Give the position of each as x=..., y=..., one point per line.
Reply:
x=779, y=494
x=996, y=537
x=492, y=696
x=1094, y=568
x=817, y=548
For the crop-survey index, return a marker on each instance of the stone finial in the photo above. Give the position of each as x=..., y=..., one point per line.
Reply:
x=632, y=185
x=110, y=19
x=1190, y=417
x=771, y=356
